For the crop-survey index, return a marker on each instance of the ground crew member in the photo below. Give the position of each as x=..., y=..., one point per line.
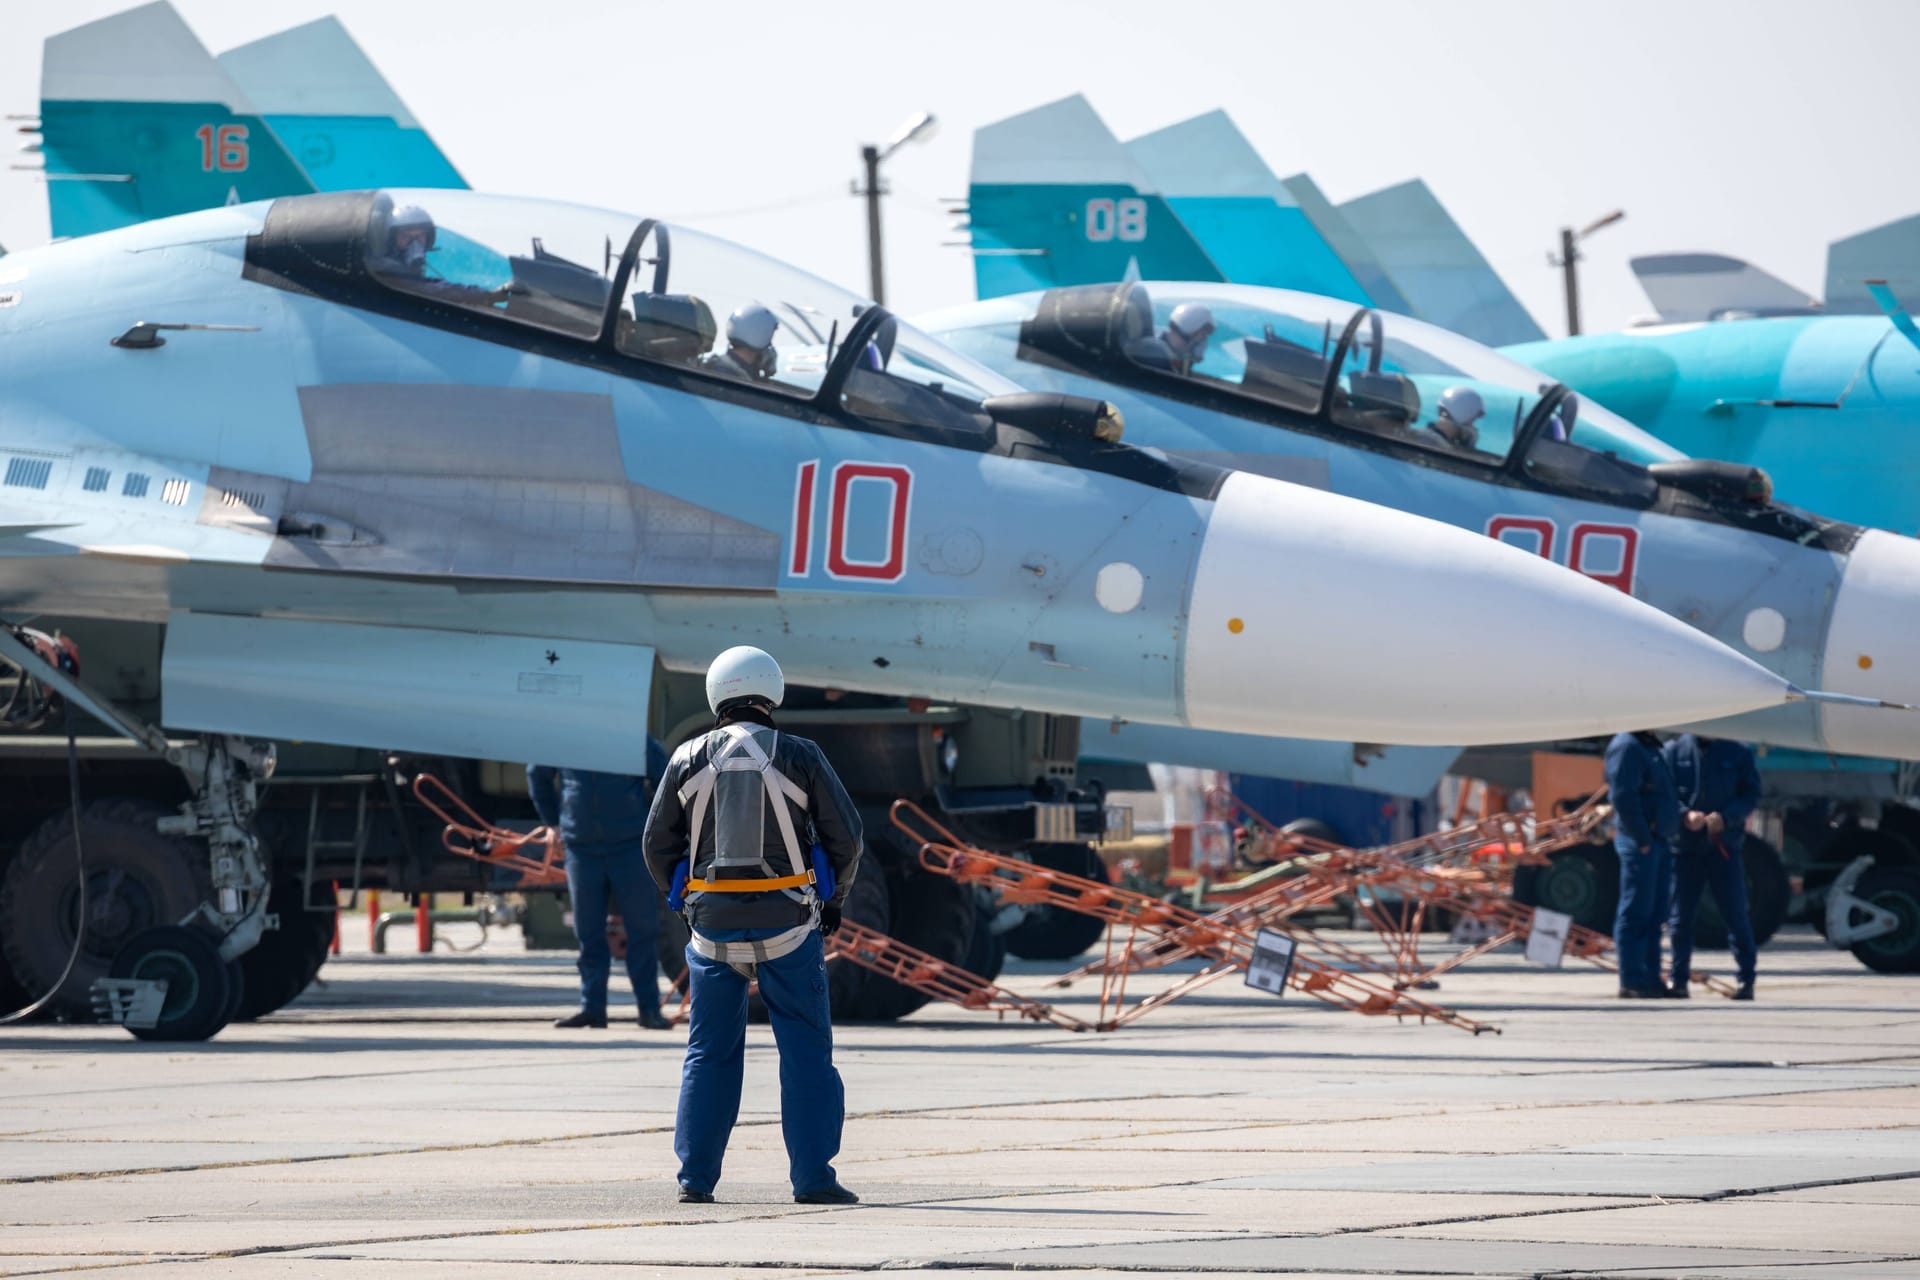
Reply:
x=1646, y=816
x=752, y=830
x=602, y=818
x=1718, y=781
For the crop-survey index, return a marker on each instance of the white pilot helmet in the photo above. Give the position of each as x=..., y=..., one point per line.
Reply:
x=744, y=672
x=1192, y=321
x=411, y=217
x=1462, y=405
x=752, y=326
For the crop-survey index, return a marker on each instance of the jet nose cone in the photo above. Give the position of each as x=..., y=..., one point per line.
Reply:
x=1318, y=616
x=1873, y=649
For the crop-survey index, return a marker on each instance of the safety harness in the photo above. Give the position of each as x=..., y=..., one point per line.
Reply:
x=738, y=786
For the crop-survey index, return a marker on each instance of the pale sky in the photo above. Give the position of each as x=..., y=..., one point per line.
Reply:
x=1758, y=128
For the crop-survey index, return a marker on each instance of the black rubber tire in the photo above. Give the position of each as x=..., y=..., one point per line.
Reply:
x=137, y=879
x=1895, y=889
x=1768, y=894
x=1053, y=933
x=930, y=912
x=285, y=961
x=13, y=996
x=199, y=986
x=236, y=992
x=987, y=954
x=1582, y=882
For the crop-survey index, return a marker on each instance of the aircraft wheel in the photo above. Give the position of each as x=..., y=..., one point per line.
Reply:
x=199, y=983
x=136, y=879
x=236, y=992
x=1582, y=882
x=1895, y=889
x=286, y=960
x=1054, y=933
x=1767, y=896
x=932, y=913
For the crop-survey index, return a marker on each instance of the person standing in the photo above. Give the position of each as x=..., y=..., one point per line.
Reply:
x=1718, y=781
x=752, y=832
x=601, y=818
x=1646, y=817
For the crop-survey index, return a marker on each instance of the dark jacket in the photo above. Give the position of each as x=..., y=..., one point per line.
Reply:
x=1646, y=808
x=597, y=813
x=831, y=821
x=1715, y=775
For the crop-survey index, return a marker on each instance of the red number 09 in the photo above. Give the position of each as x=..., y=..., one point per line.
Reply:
x=223, y=148
x=897, y=479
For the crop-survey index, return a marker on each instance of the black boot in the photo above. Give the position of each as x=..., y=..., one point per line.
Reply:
x=832, y=1193
x=582, y=1019
x=652, y=1020
x=689, y=1196
x=1744, y=991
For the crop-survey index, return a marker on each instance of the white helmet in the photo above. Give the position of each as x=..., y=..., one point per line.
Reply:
x=1192, y=321
x=744, y=672
x=1462, y=405
x=752, y=326
x=406, y=221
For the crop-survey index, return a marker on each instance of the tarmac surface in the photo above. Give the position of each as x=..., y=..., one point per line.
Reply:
x=416, y=1117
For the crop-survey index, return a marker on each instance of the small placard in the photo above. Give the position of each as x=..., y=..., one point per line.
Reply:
x=1547, y=939
x=1271, y=963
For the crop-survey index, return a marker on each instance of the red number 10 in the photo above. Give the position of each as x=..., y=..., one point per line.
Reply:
x=223, y=148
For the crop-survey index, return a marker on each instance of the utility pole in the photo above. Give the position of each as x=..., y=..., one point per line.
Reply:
x=920, y=127
x=877, y=286
x=1569, y=256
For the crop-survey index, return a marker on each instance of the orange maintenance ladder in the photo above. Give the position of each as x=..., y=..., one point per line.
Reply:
x=1226, y=945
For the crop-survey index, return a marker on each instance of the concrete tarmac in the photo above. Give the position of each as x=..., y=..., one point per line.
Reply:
x=415, y=1116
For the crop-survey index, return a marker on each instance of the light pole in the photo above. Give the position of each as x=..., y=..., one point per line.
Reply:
x=1569, y=255
x=918, y=127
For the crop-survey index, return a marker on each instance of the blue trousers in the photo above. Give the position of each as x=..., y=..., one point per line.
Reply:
x=589, y=878
x=1646, y=889
x=812, y=1100
x=1693, y=871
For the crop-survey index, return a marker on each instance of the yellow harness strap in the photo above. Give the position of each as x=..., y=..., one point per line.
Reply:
x=749, y=886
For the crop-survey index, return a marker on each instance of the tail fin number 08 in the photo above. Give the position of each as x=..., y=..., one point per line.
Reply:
x=1116, y=219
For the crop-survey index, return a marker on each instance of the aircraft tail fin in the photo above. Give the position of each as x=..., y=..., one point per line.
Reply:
x=1436, y=267
x=1245, y=218
x=1691, y=287
x=1056, y=200
x=1889, y=253
x=138, y=121
x=335, y=112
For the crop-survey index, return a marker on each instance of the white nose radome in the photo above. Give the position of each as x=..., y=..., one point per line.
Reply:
x=1318, y=616
x=1873, y=649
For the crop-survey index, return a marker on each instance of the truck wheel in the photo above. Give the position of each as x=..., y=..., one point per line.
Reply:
x=1895, y=889
x=286, y=960
x=137, y=879
x=987, y=954
x=199, y=988
x=1053, y=933
x=1767, y=896
x=1582, y=882
x=932, y=913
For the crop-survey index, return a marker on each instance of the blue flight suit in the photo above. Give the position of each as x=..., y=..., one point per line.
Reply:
x=1646, y=816
x=601, y=818
x=1714, y=775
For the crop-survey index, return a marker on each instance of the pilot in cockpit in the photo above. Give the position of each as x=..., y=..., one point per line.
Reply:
x=749, y=352
x=1456, y=421
x=402, y=261
x=1181, y=345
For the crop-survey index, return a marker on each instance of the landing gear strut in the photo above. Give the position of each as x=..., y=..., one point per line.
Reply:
x=177, y=980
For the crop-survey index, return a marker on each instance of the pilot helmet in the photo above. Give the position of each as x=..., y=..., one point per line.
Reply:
x=744, y=672
x=750, y=331
x=1461, y=408
x=1189, y=326
x=410, y=233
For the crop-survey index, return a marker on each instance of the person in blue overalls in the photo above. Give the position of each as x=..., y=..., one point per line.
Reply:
x=1646, y=817
x=602, y=818
x=1718, y=780
x=753, y=834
